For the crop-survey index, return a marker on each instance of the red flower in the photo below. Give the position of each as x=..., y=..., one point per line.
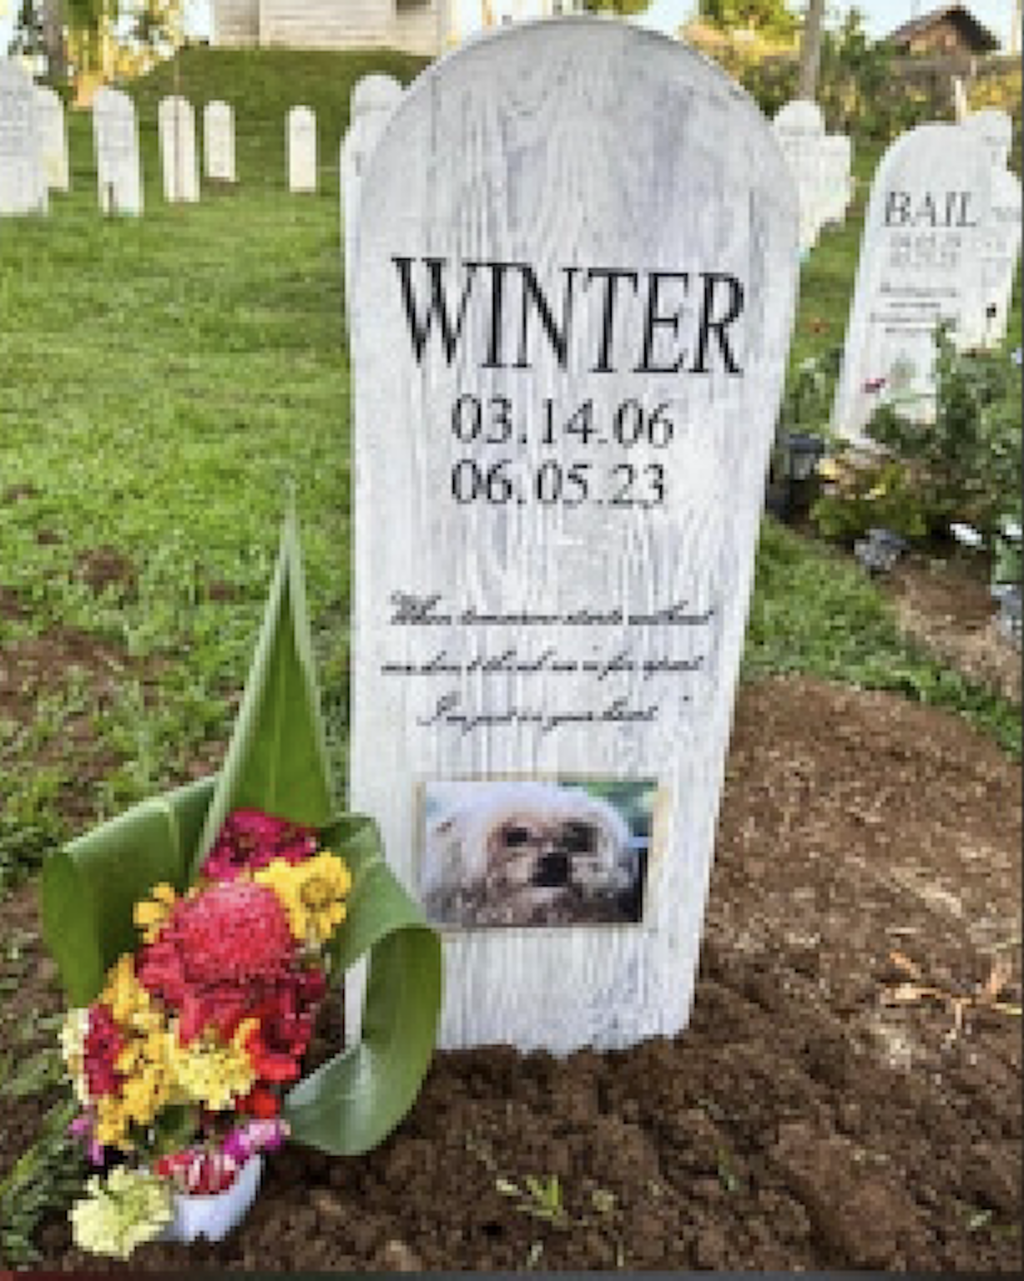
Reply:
x=217, y=955
x=103, y=1043
x=251, y=839
x=259, y=1102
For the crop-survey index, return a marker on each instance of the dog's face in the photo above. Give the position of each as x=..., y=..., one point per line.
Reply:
x=521, y=848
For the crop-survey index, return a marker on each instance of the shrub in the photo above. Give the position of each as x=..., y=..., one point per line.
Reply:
x=963, y=464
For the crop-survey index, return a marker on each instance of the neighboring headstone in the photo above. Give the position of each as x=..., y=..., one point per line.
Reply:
x=177, y=125
x=994, y=130
x=919, y=264
x=572, y=311
x=800, y=128
x=301, y=137
x=374, y=97
x=1000, y=255
x=118, y=163
x=53, y=138
x=23, y=187
x=836, y=162
x=219, y=141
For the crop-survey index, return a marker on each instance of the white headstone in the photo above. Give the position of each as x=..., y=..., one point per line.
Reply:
x=994, y=130
x=836, y=181
x=573, y=305
x=1000, y=255
x=301, y=134
x=177, y=125
x=219, y=141
x=919, y=264
x=53, y=137
x=118, y=163
x=23, y=187
x=800, y=129
x=374, y=97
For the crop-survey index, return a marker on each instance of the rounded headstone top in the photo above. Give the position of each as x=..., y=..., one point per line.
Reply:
x=801, y=114
x=375, y=92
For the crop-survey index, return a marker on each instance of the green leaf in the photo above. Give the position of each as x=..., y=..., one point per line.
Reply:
x=90, y=888
x=277, y=757
x=352, y=1103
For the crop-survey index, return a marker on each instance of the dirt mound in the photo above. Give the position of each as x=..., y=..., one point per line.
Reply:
x=822, y=1111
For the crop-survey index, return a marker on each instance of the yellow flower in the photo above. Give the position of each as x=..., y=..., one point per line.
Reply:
x=128, y=1001
x=312, y=893
x=151, y=913
x=206, y=1071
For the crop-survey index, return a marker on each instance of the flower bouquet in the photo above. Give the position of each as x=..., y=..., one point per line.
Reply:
x=198, y=934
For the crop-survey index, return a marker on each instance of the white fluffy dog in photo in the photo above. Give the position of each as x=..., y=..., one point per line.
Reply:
x=526, y=853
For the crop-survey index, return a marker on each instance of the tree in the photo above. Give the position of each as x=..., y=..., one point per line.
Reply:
x=810, y=49
x=769, y=17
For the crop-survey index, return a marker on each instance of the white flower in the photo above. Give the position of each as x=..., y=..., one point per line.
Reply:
x=1010, y=528
x=966, y=534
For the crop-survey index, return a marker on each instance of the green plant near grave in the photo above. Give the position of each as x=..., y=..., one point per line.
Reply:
x=963, y=465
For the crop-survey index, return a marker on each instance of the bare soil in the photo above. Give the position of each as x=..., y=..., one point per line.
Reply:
x=822, y=1111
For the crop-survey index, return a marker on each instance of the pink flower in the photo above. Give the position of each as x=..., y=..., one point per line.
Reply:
x=251, y=839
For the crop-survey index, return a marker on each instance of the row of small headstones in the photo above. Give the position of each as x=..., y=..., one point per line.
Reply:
x=34, y=151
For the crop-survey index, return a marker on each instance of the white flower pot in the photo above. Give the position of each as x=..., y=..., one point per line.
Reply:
x=214, y=1216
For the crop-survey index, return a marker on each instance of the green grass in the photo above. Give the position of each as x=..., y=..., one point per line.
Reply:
x=162, y=379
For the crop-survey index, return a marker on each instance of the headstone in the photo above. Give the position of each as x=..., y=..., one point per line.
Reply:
x=919, y=264
x=1000, y=255
x=374, y=97
x=177, y=125
x=836, y=181
x=994, y=130
x=118, y=163
x=219, y=141
x=301, y=149
x=23, y=187
x=53, y=138
x=573, y=306
x=800, y=127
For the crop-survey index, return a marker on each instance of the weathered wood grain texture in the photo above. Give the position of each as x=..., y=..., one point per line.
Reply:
x=23, y=188
x=920, y=262
x=300, y=134
x=588, y=144
x=374, y=97
x=53, y=138
x=176, y=121
x=118, y=162
x=219, y=141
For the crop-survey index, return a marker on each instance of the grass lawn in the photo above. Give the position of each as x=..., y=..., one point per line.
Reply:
x=163, y=379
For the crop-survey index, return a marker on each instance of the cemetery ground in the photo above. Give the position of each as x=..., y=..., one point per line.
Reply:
x=848, y=1092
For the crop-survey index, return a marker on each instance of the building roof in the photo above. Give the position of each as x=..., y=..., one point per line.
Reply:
x=974, y=32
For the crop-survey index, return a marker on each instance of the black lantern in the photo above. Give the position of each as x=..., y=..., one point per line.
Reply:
x=793, y=484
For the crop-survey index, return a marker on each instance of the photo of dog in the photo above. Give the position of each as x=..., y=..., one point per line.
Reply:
x=527, y=852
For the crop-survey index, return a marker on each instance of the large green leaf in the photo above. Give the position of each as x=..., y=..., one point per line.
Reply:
x=276, y=762
x=277, y=758
x=350, y=1104
x=90, y=887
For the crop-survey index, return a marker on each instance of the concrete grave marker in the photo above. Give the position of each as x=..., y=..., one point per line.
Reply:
x=53, y=138
x=118, y=163
x=219, y=141
x=1000, y=255
x=800, y=129
x=374, y=97
x=572, y=311
x=919, y=263
x=23, y=187
x=177, y=125
x=994, y=130
x=301, y=139
x=836, y=181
